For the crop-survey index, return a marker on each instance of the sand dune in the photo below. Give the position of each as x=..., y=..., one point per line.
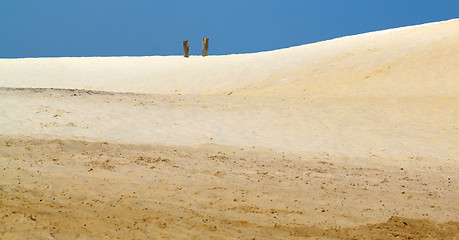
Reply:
x=351, y=138
x=413, y=61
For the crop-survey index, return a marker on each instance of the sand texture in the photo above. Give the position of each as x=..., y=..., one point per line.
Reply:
x=68, y=188
x=351, y=138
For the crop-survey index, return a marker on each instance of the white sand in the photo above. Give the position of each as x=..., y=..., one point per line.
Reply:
x=385, y=127
x=414, y=61
x=363, y=127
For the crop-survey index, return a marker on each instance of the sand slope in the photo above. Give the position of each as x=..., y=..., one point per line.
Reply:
x=352, y=138
x=397, y=128
x=413, y=61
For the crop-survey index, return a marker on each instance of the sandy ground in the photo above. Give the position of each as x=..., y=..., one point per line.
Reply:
x=382, y=127
x=126, y=187
x=61, y=189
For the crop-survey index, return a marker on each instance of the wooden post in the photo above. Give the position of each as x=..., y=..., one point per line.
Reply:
x=186, y=48
x=205, y=47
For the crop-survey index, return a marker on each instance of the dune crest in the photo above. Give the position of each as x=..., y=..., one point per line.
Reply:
x=411, y=61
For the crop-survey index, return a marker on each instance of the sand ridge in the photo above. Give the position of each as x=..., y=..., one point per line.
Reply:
x=412, y=61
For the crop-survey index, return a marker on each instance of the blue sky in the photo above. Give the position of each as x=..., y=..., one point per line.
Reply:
x=64, y=28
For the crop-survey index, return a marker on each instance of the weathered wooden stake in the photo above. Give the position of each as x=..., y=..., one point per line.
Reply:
x=186, y=48
x=205, y=47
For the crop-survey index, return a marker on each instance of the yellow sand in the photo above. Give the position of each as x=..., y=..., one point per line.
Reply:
x=352, y=138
